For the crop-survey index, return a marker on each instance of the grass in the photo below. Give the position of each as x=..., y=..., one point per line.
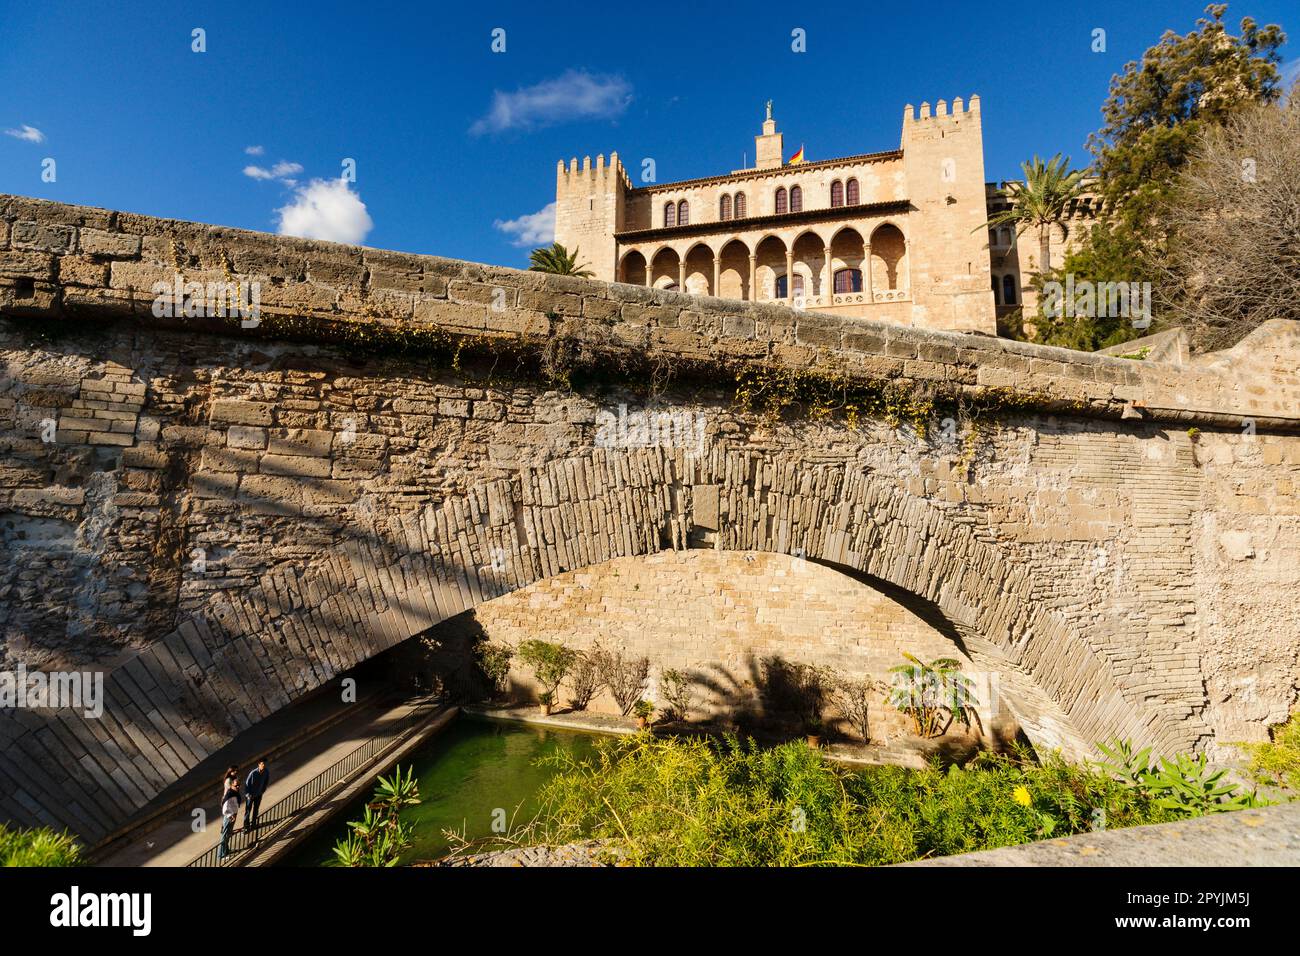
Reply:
x=698, y=802
x=37, y=847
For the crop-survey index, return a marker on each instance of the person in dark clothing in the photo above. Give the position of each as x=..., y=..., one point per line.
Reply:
x=258, y=780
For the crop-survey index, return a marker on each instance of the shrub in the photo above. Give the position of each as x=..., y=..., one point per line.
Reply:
x=795, y=689
x=692, y=802
x=379, y=838
x=584, y=677
x=675, y=688
x=37, y=847
x=494, y=660
x=933, y=695
x=853, y=698
x=1277, y=763
x=624, y=676
x=1184, y=784
x=550, y=664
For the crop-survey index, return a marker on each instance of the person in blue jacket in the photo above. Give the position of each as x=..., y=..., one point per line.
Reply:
x=258, y=780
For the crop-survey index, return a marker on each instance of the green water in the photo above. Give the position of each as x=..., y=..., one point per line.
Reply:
x=467, y=772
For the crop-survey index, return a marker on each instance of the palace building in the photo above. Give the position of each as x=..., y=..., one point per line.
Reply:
x=896, y=235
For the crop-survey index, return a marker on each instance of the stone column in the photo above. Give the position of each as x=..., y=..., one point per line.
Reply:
x=649, y=272
x=681, y=275
x=717, y=275
x=866, y=269
x=789, y=275
x=828, y=290
x=753, y=278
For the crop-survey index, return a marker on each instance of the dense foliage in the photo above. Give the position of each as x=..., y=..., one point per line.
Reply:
x=1277, y=763
x=691, y=802
x=380, y=837
x=1162, y=112
x=37, y=847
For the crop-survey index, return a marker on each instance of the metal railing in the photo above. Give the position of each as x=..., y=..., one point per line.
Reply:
x=280, y=814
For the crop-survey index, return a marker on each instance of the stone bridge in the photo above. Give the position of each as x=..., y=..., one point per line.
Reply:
x=222, y=513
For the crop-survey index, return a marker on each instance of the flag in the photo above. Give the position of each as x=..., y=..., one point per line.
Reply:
x=797, y=158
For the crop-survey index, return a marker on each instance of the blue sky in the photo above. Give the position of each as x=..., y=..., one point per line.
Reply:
x=451, y=140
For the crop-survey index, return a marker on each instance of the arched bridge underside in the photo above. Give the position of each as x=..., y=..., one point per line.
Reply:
x=221, y=523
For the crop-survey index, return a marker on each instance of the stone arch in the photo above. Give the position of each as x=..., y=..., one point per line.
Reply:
x=888, y=259
x=848, y=252
x=733, y=275
x=397, y=573
x=699, y=270
x=632, y=268
x=810, y=261
x=664, y=273
x=770, y=263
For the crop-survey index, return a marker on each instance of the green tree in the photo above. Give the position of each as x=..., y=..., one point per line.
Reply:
x=1040, y=201
x=1157, y=106
x=1153, y=118
x=557, y=260
x=551, y=663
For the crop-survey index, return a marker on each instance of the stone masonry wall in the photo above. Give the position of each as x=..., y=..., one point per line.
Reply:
x=715, y=615
x=222, y=519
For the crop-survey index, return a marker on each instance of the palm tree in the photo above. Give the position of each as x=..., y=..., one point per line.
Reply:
x=557, y=260
x=1041, y=200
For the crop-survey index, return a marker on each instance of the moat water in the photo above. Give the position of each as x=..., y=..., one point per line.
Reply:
x=468, y=773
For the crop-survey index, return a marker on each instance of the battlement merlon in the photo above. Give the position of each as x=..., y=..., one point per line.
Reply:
x=963, y=113
x=591, y=178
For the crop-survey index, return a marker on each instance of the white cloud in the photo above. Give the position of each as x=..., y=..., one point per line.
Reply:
x=282, y=171
x=326, y=209
x=534, y=229
x=575, y=95
x=254, y=150
x=26, y=133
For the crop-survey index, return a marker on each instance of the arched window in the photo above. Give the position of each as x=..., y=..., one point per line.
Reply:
x=851, y=193
x=1008, y=290
x=782, y=287
x=780, y=200
x=997, y=291
x=670, y=214
x=1006, y=237
x=740, y=205
x=837, y=193
x=683, y=213
x=798, y=285
x=796, y=199
x=848, y=280
x=724, y=207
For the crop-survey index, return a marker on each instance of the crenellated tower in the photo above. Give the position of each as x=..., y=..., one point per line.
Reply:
x=589, y=209
x=943, y=162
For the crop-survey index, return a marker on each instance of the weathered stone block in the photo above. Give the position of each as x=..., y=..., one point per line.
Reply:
x=302, y=441
x=300, y=465
x=116, y=245
x=240, y=412
x=246, y=436
x=45, y=236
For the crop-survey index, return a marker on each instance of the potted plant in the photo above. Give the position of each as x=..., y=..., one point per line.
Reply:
x=643, y=710
x=551, y=663
x=815, y=730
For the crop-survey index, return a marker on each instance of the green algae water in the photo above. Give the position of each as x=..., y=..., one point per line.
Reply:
x=465, y=773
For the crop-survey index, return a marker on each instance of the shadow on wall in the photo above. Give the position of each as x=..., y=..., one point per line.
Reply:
x=772, y=699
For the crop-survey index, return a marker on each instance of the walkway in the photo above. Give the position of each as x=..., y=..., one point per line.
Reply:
x=175, y=844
